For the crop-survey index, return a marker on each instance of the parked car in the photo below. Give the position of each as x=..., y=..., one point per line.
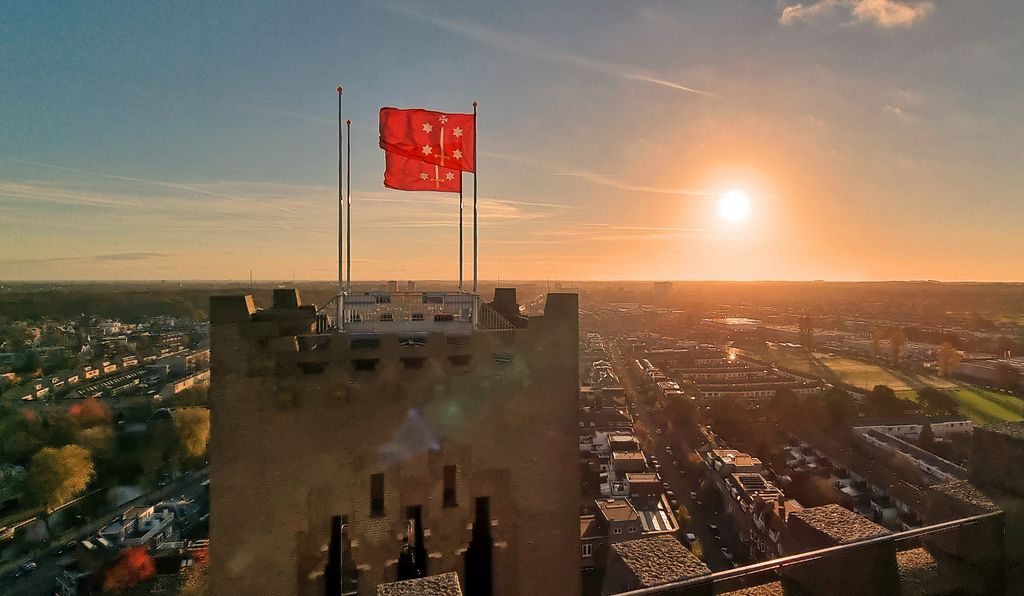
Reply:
x=674, y=503
x=670, y=494
x=693, y=495
x=690, y=539
x=658, y=431
x=668, y=450
x=714, y=529
x=666, y=485
x=24, y=569
x=727, y=553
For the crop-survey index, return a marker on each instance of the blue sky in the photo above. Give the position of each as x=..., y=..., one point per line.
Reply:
x=877, y=139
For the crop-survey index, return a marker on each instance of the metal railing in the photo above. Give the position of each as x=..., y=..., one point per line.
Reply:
x=405, y=312
x=766, y=572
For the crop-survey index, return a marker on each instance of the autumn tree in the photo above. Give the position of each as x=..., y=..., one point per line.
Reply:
x=948, y=357
x=193, y=426
x=91, y=412
x=58, y=475
x=697, y=549
x=133, y=566
x=99, y=440
x=684, y=515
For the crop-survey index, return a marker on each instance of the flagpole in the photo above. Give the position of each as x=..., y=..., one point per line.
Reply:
x=340, y=214
x=461, y=204
x=348, y=204
x=476, y=162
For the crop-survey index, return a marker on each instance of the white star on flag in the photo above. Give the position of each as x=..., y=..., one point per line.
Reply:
x=443, y=119
x=457, y=154
x=423, y=175
x=427, y=150
x=450, y=176
x=427, y=127
x=457, y=131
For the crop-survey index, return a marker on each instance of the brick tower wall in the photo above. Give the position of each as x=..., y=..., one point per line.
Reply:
x=298, y=431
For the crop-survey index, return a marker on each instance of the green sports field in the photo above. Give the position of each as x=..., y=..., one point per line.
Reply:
x=980, y=405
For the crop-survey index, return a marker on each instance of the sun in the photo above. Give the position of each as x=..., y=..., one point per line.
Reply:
x=734, y=206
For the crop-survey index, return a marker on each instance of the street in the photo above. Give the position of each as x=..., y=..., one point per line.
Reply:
x=681, y=484
x=41, y=582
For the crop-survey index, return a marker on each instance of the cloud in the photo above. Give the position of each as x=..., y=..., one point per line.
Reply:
x=608, y=180
x=121, y=256
x=519, y=44
x=887, y=14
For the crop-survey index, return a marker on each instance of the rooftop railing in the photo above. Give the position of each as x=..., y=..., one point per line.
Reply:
x=409, y=312
x=959, y=545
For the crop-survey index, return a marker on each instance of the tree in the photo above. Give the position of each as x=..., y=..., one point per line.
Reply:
x=937, y=402
x=99, y=440
x=839, y=407
x=193, y=396
x=897, y=340
x=684, y=515
x=948, y=357
x=58, y=475
x=697, y=549
x=807, y=332
x=193, y=426
x=785, y=401
x=877, y=335
x=927, y=438
x=91, y=412
x=133, y=566
x=882, y=401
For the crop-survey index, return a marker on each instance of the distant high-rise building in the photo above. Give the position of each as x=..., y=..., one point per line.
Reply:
x=425, y=434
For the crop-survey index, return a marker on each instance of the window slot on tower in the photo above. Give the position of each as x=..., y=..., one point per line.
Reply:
x=377, y=495
x=413, y=363
x=459, y=359
x=365, y=364
x=449, y=486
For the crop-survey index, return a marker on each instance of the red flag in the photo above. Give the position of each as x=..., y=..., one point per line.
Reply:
x=433, y=137
x=402, y=173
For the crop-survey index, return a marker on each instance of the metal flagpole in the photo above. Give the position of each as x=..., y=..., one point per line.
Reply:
x=476, y=166
x=340, y=214
x=348, y=204
x=461, y=204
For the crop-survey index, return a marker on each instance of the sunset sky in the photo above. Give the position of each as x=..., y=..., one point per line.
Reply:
x=876, y=139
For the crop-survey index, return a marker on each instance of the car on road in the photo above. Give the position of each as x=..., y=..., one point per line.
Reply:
x=727, y=553
x=658, y=431
x=666, y=485
x=693, y=495
x=714, y=529
x=675, y=463
x=674, y=503
x=25, y=568
x=690, y=539
x=67, y=547
x=668, y=449
x=670, y=494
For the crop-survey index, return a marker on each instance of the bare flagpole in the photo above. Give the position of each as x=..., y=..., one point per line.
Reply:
x=341, y=287
x=476, y=166
x=461, y=205
x=348, y=204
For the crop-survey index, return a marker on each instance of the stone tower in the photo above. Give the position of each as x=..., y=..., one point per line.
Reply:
x=413, y=441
